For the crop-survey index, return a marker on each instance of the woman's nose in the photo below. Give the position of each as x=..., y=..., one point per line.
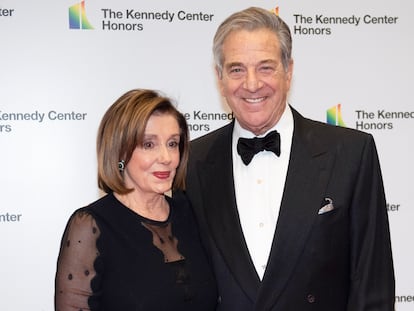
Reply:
x=165, y=156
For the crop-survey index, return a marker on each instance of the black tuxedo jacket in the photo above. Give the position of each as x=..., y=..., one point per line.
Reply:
x=337, y=260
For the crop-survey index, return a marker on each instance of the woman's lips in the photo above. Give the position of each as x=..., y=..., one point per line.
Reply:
x=162, y=175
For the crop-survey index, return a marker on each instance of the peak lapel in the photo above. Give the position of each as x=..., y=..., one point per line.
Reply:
x=216, y=179
x=307, y=177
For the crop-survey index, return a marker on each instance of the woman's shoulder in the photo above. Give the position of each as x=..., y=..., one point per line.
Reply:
x=82, y=219
x=100, y=207
x=86, y=216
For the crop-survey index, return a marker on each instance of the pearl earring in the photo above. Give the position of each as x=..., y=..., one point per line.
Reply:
x=121, y=165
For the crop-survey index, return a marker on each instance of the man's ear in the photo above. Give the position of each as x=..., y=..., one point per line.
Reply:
x=219, y=76
x=289, y=73
x=219, y=72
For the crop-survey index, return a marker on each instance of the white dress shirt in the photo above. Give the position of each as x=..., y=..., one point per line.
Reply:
x=259, y=189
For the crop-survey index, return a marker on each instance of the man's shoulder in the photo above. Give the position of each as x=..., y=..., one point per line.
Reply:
x=326, y=130
x=318, y=136
x=215, y=133
x=222, y=134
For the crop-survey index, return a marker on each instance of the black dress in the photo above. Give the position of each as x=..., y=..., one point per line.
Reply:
x=113, y=259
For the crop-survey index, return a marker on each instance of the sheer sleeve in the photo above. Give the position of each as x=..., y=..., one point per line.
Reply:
x=75, y=266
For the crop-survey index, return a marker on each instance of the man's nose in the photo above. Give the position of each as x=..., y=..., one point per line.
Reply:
x=252, y=81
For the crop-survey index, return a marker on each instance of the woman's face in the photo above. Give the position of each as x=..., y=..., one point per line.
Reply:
x=153, y=164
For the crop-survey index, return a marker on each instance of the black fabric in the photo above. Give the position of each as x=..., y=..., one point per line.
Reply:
x=248, y=147
x=113, y=259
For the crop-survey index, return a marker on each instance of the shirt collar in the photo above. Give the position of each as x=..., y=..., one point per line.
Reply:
x=285, y=122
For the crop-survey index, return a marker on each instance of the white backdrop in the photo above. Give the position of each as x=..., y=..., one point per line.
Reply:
x=56, y=83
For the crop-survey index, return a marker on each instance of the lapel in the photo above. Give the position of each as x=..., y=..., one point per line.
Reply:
x=308, y=173
x=221, y=212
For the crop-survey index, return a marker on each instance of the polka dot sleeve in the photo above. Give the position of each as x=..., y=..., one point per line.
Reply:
x=75, y=266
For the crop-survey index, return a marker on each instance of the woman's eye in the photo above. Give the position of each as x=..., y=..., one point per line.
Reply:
x=173, y=144
x=147, y=145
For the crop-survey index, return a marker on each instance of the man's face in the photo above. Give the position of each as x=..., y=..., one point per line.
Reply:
x=253, y=80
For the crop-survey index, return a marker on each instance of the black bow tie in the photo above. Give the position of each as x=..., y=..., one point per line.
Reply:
x=248, y=147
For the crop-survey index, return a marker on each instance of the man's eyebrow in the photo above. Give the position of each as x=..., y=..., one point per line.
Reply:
x=233, y=64
x=266, y=61
x=240, y=64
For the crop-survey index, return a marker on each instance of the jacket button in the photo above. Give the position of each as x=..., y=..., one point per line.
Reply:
x=310, y=298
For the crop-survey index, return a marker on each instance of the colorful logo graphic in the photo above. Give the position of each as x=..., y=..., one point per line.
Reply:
x=334, y=116
x=77, y=17
x=275, y=10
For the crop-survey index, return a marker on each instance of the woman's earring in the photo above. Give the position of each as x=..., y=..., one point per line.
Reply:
x=121, y=165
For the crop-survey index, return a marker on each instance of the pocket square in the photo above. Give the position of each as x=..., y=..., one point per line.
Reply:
x=328, y=207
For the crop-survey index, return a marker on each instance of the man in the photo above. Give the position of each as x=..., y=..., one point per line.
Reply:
x=301, y=227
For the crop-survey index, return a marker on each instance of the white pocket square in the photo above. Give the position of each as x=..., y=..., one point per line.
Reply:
x=328, y=207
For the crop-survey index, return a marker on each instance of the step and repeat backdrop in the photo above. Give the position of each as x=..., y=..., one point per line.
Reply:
x=63, y=63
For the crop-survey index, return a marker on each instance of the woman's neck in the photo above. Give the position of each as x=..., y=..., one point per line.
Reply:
x=154, y=206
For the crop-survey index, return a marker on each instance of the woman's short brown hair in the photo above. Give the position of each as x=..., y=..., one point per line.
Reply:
x=122, y=130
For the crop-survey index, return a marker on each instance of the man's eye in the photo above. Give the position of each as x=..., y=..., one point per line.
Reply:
x=267, y=69
x=235, y=70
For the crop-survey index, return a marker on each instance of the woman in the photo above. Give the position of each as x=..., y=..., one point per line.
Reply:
x=136, y=248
